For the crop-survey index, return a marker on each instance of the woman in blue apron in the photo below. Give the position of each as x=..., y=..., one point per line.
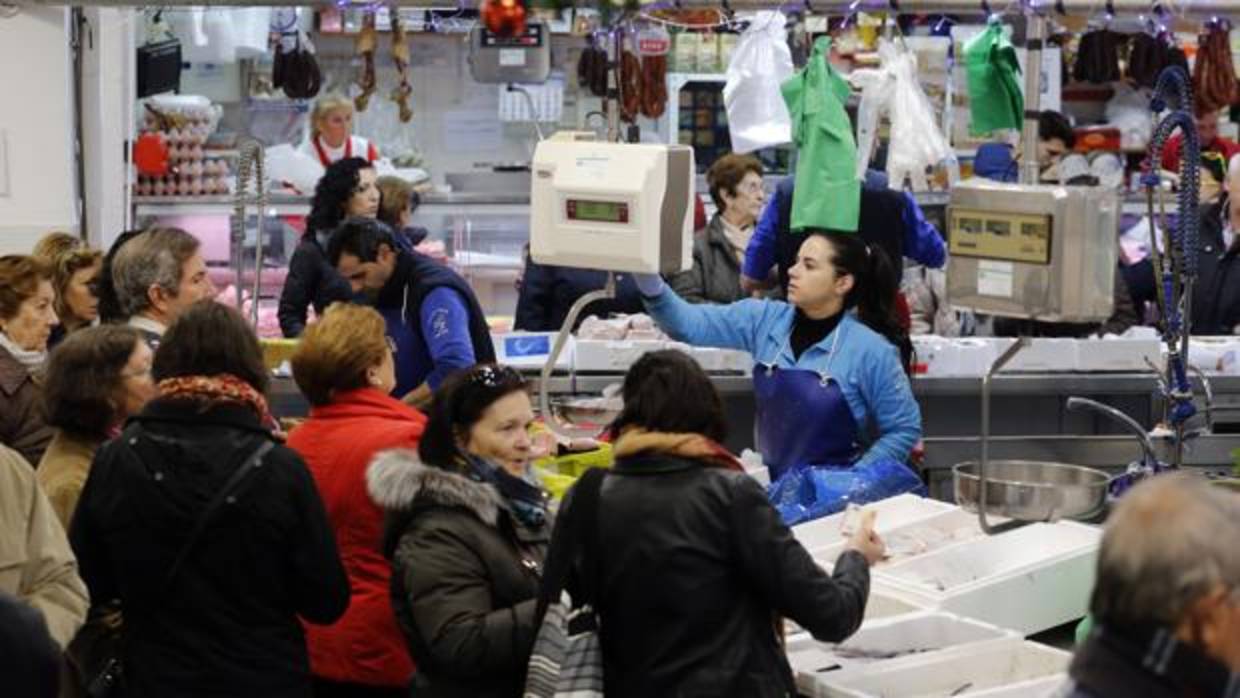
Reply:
x=829, y=362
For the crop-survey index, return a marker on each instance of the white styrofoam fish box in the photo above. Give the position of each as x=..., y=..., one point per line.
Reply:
x=1044, y=354
x=974, y=670
x=954, y=356
x=882, y=603
x=914, y=538
x=892, y=513
x=531, y=349
x=1120, y=354
x=880, y=642
x=1045, y=687
x=715, y=360
x=609, y=355
x=1029, y=579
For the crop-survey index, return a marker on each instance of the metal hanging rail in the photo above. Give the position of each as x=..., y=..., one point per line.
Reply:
x=1194, y=9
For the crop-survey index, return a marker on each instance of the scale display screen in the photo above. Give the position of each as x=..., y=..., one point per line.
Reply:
x=597, y=211
x=1002, y=235
x=532, y=37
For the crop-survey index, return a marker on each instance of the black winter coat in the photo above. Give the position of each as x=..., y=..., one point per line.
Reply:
x=311, y=280
x=716, y=273
x=695, y=566
x=548, y=292
x=1216, y=295
x=465, y=578
x=228, y=624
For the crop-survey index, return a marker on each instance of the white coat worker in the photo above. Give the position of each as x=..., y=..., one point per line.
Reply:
x=331, y=133
x=828, y=363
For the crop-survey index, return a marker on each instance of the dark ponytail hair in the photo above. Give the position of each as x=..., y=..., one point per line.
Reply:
x=332, y=194
x=875, y=287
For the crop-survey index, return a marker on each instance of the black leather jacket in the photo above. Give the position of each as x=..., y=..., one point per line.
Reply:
x=695, y=567
x=311, y=280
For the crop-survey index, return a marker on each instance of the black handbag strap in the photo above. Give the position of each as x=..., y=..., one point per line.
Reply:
x=252, y=461
x=575, y=532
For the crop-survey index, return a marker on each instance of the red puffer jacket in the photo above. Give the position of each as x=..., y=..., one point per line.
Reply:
x=337, y=443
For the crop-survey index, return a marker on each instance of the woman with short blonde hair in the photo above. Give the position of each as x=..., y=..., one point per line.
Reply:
x=344, y=366
x=331, y=133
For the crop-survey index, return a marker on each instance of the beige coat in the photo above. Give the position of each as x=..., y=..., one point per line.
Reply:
x=36, y=563
x=62, y=472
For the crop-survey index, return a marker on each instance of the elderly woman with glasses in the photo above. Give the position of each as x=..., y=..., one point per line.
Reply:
x=736, y=187
x=344, y=366
x=96, y=379
x=467, y=533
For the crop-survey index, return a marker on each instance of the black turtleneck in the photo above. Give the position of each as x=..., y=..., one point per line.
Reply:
x=806, y=332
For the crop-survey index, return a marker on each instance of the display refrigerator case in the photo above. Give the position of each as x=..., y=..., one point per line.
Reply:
x=483, y=237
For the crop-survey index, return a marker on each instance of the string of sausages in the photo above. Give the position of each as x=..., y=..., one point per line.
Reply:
x=1214, y=77
x=631, y=87
x=654, y=86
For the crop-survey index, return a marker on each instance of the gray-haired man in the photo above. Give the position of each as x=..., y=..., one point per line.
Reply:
x=157, y=275
x=1167, y=600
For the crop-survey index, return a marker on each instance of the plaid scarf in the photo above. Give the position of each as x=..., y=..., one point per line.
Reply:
x=220, y=389
x=527, y=502
x=637, y=440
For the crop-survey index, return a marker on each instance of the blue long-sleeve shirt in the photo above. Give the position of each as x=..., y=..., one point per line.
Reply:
x=922, y=241
x=864, y=364
x=445, y=325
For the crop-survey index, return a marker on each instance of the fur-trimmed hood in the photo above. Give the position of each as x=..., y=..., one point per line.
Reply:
x=397, y=479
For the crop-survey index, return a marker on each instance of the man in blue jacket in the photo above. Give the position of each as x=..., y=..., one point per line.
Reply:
x=433, y=317
x=890, y=219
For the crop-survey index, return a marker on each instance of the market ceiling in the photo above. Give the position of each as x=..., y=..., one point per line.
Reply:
x=1202, y=9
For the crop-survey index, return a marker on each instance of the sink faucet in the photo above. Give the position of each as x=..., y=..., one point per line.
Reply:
x=1150, y=458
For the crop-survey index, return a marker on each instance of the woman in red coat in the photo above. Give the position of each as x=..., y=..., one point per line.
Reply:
x=344, y=367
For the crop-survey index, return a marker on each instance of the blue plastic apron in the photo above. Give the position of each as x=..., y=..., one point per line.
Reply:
x=803, y=417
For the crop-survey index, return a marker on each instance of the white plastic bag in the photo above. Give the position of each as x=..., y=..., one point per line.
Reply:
x=917, y=143
x=284, y=164
x=757, y=115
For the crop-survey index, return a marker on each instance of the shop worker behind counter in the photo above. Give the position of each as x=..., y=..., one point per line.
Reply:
x=701, y=623
x=348, y=188
x=829, y=381
x=890, y=220
x=433, y=316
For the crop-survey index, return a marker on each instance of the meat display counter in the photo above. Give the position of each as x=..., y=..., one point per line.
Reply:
x=482, y=235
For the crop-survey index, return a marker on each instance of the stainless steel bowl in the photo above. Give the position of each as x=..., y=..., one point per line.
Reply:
x=1027, y=490
x=596, y=412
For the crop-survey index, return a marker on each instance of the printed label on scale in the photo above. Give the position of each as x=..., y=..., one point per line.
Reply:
x=995, y=278
x=511, y=57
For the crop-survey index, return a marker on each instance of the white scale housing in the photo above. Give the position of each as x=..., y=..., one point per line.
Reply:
x=624, y=207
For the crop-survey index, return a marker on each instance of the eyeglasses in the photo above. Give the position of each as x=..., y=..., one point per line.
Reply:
x=391, y=344
x=495, y=375
x=750, y=187
x=144, y=373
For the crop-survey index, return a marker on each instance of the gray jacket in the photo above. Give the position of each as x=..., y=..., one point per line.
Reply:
x=716, y=273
